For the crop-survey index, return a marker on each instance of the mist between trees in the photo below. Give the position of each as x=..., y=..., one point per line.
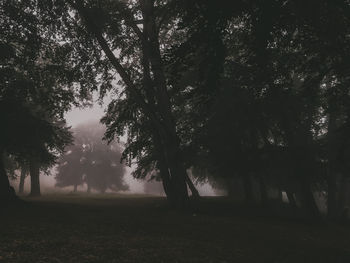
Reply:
x=250, y=97
x=90, y=165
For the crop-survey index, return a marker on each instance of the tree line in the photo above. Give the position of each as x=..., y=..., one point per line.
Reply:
x=230, y=90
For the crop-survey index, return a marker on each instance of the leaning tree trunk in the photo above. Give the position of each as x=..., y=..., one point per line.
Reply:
x=7, y=192
x=34, y=178
x=178, y=181
x=22, y=180
x=193, y=189
x=167, y=129
x=157, y=109
x=164, y=174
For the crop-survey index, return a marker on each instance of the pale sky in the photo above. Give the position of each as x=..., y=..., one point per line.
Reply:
x=77, y=116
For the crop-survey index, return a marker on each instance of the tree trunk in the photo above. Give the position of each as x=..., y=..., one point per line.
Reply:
x=7, y=192
x=34, y=178
x=343, y=194
x=309, y=202
x=160, y=111
x=291, y=199
x=22, y=180
x=164, y=174
x=332, y=149
x=332, y=204
x=167, y=132
x=75, y=188
x=171, y=168
x=193, y=189
x=263, y=191
x=248, y=188
x=178, y=184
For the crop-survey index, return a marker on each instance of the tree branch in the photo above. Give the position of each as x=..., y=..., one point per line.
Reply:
x=78, y=5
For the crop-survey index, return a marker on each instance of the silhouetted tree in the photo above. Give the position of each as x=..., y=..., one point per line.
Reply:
x=92, y=161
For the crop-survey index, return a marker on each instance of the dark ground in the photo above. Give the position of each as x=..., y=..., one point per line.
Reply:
x=112, y=228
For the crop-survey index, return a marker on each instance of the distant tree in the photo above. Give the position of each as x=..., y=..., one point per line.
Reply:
x=92, y=161
x=70, y=168
x=24, y=172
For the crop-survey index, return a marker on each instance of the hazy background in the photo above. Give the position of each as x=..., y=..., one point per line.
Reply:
x=78, y=116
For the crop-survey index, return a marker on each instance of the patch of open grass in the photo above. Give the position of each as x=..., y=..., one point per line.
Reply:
x=124, y=228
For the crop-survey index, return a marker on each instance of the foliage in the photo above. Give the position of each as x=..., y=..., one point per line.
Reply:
x=91, y=161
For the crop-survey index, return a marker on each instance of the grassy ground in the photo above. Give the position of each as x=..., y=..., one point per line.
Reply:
x=114, y=228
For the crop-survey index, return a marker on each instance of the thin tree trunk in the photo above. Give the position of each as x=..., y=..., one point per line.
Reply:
x=7, y=192
x=88, y=189
x=22, y=180
x=291, y=199
x=34, y=178
x=193, y=189
x=75, y=188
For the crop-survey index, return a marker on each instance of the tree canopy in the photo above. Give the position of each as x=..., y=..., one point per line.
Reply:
x=254, y=91
x=92, y=161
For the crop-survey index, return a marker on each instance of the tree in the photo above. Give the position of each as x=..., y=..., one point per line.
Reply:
x=92, y=161
x=36, y=89
x=136, y=55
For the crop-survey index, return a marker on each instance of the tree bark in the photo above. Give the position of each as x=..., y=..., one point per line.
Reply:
x=263, y=191
x=34, y=178
x=248, y=188
x=178, y=181
x=291, y=199
x=7, y=192
x=22, y=180
x=309, y=202
x=193, y=189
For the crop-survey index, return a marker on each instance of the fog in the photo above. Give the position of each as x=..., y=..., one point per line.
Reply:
x=94, y=113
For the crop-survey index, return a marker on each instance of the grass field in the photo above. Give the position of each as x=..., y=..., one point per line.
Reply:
x=116, y=228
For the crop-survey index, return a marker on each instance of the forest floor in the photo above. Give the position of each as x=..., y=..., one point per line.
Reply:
x=116, y=228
